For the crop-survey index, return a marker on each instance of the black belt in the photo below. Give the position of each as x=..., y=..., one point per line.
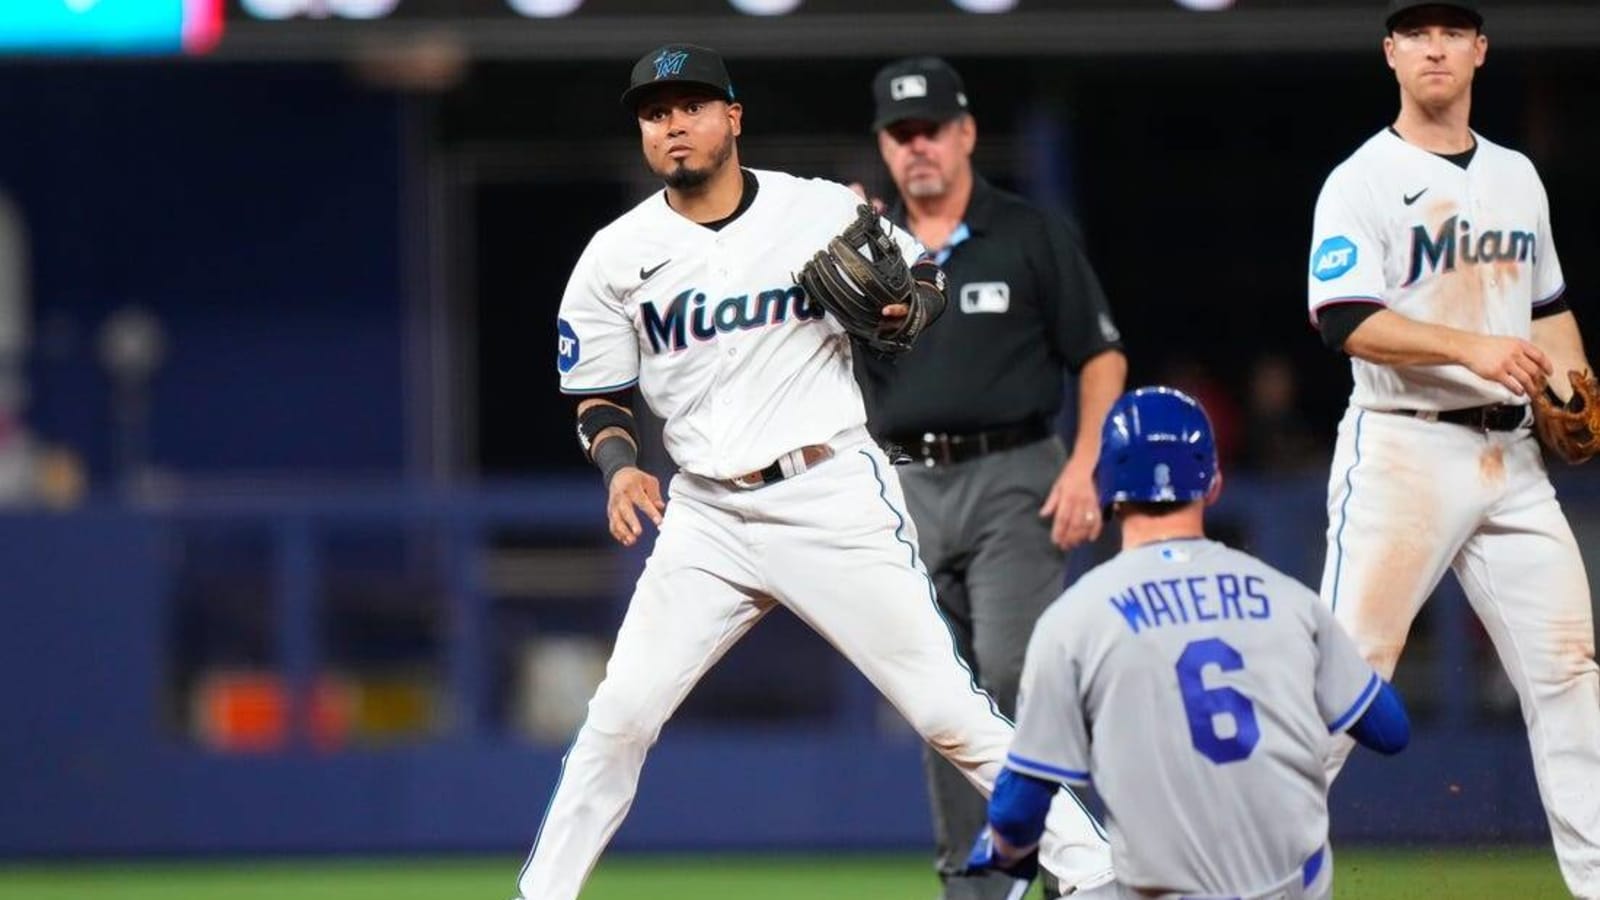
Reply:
x=1493, y=417
x=938, y=448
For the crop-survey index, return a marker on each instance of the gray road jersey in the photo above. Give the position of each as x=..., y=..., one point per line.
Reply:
x=1197, y=686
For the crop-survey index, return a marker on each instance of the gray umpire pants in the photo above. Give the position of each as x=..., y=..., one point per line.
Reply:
x=995, y=569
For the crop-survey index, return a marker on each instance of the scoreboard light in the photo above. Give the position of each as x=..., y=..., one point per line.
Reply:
x=546, y=9
x=446, y=11
x=109, y=26
x=765, y=7
x=320, y=9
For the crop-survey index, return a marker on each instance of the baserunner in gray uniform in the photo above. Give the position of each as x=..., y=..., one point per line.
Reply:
x=1193, y=684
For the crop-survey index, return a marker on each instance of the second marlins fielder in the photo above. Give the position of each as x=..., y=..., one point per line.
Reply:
x=1434, y=268
x=781, y=496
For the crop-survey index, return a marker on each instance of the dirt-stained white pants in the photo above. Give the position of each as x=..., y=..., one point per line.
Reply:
x=835, y=546
x=1406, y=498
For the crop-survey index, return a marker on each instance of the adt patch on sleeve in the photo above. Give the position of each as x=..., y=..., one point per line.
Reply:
x=1334, y=257
x=567, y=352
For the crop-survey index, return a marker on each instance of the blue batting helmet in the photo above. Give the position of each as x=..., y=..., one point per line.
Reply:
x=1156, y=447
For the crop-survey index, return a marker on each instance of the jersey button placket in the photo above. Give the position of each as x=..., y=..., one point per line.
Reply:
x=725, y=361
x=1475, y=212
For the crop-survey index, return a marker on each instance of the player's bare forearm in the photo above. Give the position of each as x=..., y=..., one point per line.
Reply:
x=1390, y=339
x=1558, y=336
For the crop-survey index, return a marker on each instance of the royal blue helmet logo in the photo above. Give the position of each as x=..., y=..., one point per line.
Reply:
x=1334, y=257
x=566, y=346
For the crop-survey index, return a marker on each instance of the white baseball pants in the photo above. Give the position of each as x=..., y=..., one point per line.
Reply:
x=835, y=546
x=1406, y=498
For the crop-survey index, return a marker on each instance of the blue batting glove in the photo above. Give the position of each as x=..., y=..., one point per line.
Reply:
x=986, y=856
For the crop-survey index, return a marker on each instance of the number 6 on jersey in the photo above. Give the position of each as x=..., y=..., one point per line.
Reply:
x=1205, y=706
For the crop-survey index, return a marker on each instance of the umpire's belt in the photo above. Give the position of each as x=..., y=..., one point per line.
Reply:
x=1493, y=417
x=938, y=448
x=786, y=466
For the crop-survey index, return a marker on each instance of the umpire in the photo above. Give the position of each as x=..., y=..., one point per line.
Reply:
x=996, y=498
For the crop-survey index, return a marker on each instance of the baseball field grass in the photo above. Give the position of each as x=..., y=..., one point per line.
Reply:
x=1453, y=874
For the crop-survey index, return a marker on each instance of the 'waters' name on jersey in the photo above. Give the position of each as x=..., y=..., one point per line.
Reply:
x=1196, y=599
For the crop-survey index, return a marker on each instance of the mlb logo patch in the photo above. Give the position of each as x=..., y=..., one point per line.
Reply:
x=985, y=297
x=1333, y=257
x=908, y=86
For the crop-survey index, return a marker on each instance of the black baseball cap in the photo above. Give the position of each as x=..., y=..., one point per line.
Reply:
x=678, y=64
x=1398, y=8
x=922, y=87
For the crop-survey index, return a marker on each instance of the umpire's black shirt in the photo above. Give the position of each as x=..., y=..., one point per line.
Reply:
x=1024, y=305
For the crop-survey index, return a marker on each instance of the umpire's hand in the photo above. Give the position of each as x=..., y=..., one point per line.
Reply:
x=633, y=490
x=1073, y=507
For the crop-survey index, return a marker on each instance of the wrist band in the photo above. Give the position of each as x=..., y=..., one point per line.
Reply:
x=614, y=454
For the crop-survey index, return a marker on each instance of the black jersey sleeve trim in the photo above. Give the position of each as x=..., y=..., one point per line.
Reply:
x=1554, y=305
x=1337, y=321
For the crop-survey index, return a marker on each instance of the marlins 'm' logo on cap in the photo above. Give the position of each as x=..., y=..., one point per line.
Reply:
x=670, y=63
x=686, y=64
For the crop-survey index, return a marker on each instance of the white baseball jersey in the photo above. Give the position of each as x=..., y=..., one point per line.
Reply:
x=711, y=326
x=1196, y=687
x=1467, y=248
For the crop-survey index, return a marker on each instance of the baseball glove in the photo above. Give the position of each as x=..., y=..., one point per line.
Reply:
x=859, y=273
x=1572, y=429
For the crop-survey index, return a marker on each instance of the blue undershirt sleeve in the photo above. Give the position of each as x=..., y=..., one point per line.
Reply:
x=1384, y=727
x=1019, y=806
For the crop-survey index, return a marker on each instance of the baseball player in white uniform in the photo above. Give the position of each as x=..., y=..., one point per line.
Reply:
x=1433, y=266
x=780, y=498
x=1194, y=685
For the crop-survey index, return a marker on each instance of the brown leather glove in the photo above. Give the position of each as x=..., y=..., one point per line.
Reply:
x=1571, y=430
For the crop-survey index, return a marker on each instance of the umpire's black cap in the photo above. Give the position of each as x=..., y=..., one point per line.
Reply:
x=1398, y=8
x=678, y=64
x=922, y=87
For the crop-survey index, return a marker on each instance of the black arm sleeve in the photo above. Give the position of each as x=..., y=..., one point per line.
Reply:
x=600, y=416
x=1075, y=305
x=1338, y=321
x=609, y=455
